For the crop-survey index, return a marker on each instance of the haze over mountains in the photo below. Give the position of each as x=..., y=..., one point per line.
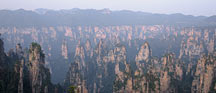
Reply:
x=46, y=17
x=103, y=51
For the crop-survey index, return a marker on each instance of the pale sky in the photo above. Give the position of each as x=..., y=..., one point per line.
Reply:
x=189, y=7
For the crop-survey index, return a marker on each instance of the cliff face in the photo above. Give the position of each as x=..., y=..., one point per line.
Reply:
x=39, y=75
x=25, y=71
x=95, y=59
x=60, y=42
x=64, y=50
x=204, y=75
x=155, y=75
x=131, y=65
x=94, y=69
x=2, y=55
x=2, y=64
x=144, y=53
x=149, y=74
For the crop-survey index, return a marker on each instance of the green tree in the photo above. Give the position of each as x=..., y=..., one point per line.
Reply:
x=72, y=89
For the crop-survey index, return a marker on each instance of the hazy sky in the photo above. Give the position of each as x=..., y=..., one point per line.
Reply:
x=192, y=7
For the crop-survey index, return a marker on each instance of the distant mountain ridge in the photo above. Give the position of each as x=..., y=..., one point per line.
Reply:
x=73, y=17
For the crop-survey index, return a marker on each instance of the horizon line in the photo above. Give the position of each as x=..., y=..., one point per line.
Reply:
x=113, y=10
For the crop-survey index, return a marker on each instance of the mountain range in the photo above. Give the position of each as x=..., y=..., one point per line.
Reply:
x=73, y=17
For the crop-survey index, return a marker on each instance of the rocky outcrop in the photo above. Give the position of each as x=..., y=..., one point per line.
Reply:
x=39, y=75
x=145, y=73
x=21, y=77
x=144, y=53
x=205, y=74
x=25, y=71
x=80, y=56
x=2, y=54
x=74, y=76
x=191, y=48
x=60, y=42
x=2, y=65
x=64, y=50
x=107, y=59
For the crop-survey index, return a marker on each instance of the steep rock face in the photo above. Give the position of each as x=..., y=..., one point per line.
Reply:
x=99, y=52
x=77, y=70
x=197, y=42
x=121, y=76
x=116, y=58
x=19, y=69
x=12, y=79
x=101, y=65
x=39, y=75
x=155, y=76
x=88, y=48
x=123, y=80
x=80, y=56
x=74, y=76
x=151, y=75
x=21, y=77
x=185, y=42
x=25, y=71
x=140, y=80
x=191, y=47
x=205, y=74
x=144, y=53
x=19, y=50
x=2, y=54
x=2, y=64
x=64, y=50
x=171, y=73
